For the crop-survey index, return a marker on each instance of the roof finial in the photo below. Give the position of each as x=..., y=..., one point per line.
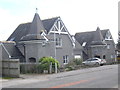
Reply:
x=36, y=10
x=98, y=28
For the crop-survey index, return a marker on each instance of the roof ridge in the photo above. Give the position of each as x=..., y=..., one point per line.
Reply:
x=25, y=23
x=85, y=32
x=91, y=31
x=104, y=29
x=51, y=18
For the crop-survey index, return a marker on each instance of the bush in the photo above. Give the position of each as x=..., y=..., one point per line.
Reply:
x=73, y=64
x=44, y=63
x=77, y=61
x=69, y=68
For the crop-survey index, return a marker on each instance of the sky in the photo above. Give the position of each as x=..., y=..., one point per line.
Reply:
x=77, y=15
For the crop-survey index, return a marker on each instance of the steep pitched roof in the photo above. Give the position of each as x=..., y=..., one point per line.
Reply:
x=92, y=37
x=98, y=35
x=27, y=31
x=20, y=31
x=13, y=51
x=48, y=23
x=78, y=46
x=104, y=32
x=84, y=37
x=36, y=28
x=36, y=25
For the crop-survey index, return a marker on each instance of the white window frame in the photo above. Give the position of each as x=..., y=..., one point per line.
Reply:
x=59, y=42
x=65, y=59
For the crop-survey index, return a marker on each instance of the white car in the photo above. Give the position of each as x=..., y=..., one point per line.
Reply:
x=94, y=61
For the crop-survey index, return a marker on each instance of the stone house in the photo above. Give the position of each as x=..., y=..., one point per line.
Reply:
x=39, y=38
x=97, y=43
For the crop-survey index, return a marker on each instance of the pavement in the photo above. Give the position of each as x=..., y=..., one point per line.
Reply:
x=29, y=78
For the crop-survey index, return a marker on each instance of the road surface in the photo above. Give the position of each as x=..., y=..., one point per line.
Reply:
x=97, y=77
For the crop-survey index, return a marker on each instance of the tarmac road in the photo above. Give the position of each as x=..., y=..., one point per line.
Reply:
x=97, y=77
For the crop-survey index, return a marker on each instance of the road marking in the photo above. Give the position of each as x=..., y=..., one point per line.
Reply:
x=70, y=84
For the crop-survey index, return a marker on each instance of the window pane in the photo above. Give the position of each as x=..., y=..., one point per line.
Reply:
x=108, y=46
x=94, y=59
x=65, y=59
x=58, y=42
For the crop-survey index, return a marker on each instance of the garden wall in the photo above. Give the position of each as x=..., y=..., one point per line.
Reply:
x=10, y=68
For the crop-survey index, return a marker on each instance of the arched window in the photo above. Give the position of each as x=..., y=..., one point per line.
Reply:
x=32, y=59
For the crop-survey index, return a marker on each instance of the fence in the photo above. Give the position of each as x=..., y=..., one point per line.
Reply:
x=34, y=68
x=10, y=68
x=29, y=68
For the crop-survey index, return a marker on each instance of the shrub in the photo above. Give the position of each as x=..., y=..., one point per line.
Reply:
x=44, y=63
x=73, y=64
x=69, y=68
x=77, y=61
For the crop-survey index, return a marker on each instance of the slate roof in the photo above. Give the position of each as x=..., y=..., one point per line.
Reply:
x=35, y=29
x=20, y=31
x=31, y=31
x=48, y=23
x=78, y=46
x=92, y=37
x=98, y=35
x=104, y=32
x=84, y=37
x=13, y=50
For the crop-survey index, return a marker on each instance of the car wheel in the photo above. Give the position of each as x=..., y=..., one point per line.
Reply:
x=83, y=64
x=97, y=64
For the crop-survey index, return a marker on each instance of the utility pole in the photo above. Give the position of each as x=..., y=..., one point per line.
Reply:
x=50, y=68
x=54, y=44
x=55, y=50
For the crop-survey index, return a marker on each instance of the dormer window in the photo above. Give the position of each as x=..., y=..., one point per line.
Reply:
x=42, y=33
x=84, y=43
x=12, y=39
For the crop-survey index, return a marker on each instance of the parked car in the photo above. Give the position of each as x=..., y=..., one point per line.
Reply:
x=94, y=61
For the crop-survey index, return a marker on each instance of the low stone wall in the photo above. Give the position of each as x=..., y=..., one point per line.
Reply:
x=10, y=68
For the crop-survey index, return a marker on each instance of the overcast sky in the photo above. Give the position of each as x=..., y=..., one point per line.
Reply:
x=77, y=15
